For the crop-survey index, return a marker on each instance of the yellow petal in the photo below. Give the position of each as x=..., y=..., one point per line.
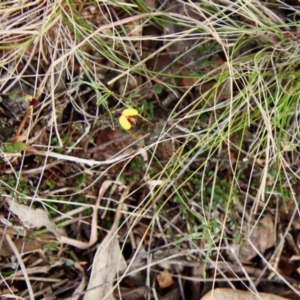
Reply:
x=125, y=124
x=28, y=98
x=129, y=112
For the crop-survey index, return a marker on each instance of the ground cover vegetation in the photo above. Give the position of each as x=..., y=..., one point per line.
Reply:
x=149, y=149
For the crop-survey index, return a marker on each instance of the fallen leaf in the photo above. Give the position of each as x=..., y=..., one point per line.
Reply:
x=286, y=266
x=262, y=237
x=32, y=218
x=131, y=294
x=173, y=294
x=22, y=244
x=18, y=139
x=164, y=279
x=108, y=262
x=221, y=294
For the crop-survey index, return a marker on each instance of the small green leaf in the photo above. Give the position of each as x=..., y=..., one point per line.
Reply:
x=77, y=266
x=19, y=146
x=13, y=147
x=158, y=89
x=12, y=96
x=69, y=262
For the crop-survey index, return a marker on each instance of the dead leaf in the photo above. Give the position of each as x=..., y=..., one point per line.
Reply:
x=287, y=209
x=164, y=279
x=108, y=262
x=197, y=272
x=262, y=237
x=19, y=138
x=32, y=218
x=21, y=264
x=221, y=294
x=139, y=293
x=111, y=142
x=286, y=266
x=22, y=244
x=173, y=294
x=162, y=258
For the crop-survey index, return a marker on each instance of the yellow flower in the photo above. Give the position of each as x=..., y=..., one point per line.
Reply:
x=127, y=118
